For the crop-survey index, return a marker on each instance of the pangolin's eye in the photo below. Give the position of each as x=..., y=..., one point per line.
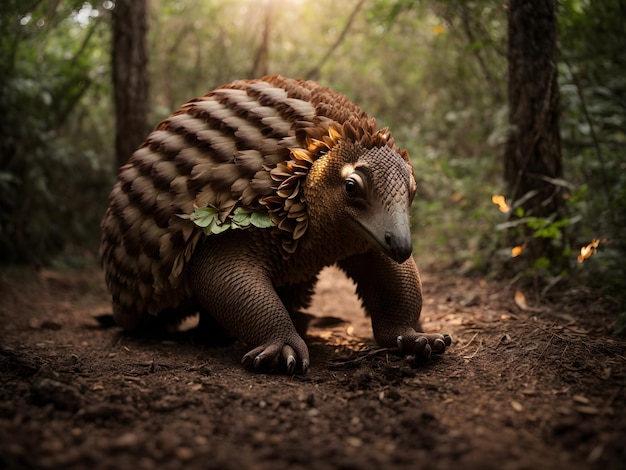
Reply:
x=352, y=187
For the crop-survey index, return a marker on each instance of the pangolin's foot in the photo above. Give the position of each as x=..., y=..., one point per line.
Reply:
x=279, y=355
x=421, y=346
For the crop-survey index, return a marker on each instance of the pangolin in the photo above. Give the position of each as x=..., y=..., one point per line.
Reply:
x=235, y=202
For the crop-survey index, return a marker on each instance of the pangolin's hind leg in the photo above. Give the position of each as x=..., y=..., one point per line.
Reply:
x=237, y=291
x=392, y=295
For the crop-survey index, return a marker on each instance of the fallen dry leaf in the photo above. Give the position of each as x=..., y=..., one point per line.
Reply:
x=520, y=301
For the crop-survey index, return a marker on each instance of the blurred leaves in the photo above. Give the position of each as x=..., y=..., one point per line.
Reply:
x=593, y=92
x=50, y=174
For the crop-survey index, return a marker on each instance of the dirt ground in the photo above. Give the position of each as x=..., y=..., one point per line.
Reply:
x=522, y=386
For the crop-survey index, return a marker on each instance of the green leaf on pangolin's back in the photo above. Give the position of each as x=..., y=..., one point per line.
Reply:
x=208, y=219
x=241, y=217
x=204, y=216
x=217, y=227
x=261, y=220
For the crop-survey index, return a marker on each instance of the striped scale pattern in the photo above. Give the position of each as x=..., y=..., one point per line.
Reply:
x=249, y=143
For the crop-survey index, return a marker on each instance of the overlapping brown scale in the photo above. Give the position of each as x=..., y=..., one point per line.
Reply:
x=187, y=159
x=249, y=161
x=127, y=174
x=266, y=93
x=201, y=173
x=222, y=145
x=143, y=193
x=179, y=188
x=131, y=241
x=271, y=149
x=130, y=216
x=163, y=173
x=261, y=183
x=118, y=200
x=289, y=187
x=260, y=112
x=235, y=98
x=247, y=107
x=149, y=235
x=189, y=128
x=222, y=176
x=144, y=160
x=144, y=271
x=206, y=196
x=295, y=209
x=164, y=206
x=279, y=153
x=166, y=143
x=295, y=88
x=145, y=290
x=291, y=109
x=184, y=123
x=211, y=109
x=300, y=228
x=287, y=207
x=276, y=126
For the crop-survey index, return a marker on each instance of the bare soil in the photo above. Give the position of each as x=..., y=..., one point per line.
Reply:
x=522, y=386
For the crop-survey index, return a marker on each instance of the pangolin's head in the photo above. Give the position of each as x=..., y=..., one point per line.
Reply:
x=376, y=192
x=368, y=189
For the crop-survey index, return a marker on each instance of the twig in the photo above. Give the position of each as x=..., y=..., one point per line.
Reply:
x=358, y=359
x=468, y=343
x=475, y=352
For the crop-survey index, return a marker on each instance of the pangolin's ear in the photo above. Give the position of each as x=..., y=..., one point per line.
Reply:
x=412, y=185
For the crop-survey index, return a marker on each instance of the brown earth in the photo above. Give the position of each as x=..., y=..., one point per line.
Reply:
x=523, y=386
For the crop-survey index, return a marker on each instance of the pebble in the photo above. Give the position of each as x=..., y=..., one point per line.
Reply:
x=184, y=453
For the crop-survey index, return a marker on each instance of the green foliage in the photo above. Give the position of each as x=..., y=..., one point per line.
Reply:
x=209, y=219
x=593, y=86
x=49, y=172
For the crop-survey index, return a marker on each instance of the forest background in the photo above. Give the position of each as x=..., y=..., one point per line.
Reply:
x=435, y=72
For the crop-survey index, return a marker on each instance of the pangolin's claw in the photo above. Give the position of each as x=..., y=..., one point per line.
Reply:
x=289, y=358
x=419, y=347
x=439, y=345
x=277, y=355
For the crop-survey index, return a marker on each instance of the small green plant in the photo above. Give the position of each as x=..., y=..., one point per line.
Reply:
x=212, y=223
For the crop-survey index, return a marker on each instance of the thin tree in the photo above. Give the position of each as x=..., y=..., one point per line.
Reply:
x=532, y=161
x=130, y=76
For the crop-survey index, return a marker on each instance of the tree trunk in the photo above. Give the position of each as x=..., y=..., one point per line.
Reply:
x=130, y=76
x=533, y=150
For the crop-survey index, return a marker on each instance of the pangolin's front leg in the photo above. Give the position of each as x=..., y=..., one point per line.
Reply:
x=392, y=295
x=236, y=290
